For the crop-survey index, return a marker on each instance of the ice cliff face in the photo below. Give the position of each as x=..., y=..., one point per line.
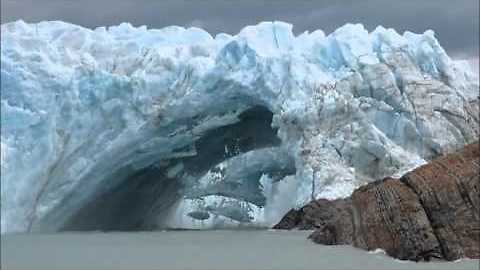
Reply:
x=136, y=128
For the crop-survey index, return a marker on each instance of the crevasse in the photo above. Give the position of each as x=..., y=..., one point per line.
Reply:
x=126, y=128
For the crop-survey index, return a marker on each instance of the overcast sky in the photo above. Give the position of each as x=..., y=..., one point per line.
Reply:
x=456, y=22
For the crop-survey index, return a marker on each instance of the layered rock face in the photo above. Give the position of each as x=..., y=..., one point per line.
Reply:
x=430, y=212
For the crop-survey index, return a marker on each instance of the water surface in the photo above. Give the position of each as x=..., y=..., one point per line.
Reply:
x=209, y=250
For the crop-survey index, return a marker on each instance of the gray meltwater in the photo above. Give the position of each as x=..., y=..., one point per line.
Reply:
x=209, y=250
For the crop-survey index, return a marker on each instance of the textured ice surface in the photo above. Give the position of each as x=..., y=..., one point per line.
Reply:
x=83, y=112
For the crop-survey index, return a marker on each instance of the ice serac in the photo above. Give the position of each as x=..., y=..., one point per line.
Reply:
x=128, y=128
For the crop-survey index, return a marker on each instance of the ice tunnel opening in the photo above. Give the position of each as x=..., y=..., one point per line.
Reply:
x=145, y=199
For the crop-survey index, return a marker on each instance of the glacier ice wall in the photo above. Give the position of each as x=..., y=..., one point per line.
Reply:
x=124, y=127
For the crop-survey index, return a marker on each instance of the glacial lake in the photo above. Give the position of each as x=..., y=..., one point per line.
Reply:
x=196, y=250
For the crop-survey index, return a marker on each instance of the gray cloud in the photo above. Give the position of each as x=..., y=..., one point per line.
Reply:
x=456, y=23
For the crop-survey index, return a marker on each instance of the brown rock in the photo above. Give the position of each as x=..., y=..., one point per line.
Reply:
x=449, y=191
x=432, y=211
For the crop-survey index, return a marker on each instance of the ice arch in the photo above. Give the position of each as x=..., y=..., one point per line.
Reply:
x=87, y=116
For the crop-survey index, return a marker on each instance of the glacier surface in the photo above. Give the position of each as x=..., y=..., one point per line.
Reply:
x=136, y=128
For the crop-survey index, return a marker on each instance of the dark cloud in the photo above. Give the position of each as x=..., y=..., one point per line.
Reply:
x=455, y=22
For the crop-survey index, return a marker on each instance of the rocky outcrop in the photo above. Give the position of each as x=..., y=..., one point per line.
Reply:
x=431, y=212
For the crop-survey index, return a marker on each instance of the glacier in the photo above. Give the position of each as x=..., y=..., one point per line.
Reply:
x=127, y=128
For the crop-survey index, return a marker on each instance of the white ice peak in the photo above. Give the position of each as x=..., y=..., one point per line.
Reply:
x=87, y=112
